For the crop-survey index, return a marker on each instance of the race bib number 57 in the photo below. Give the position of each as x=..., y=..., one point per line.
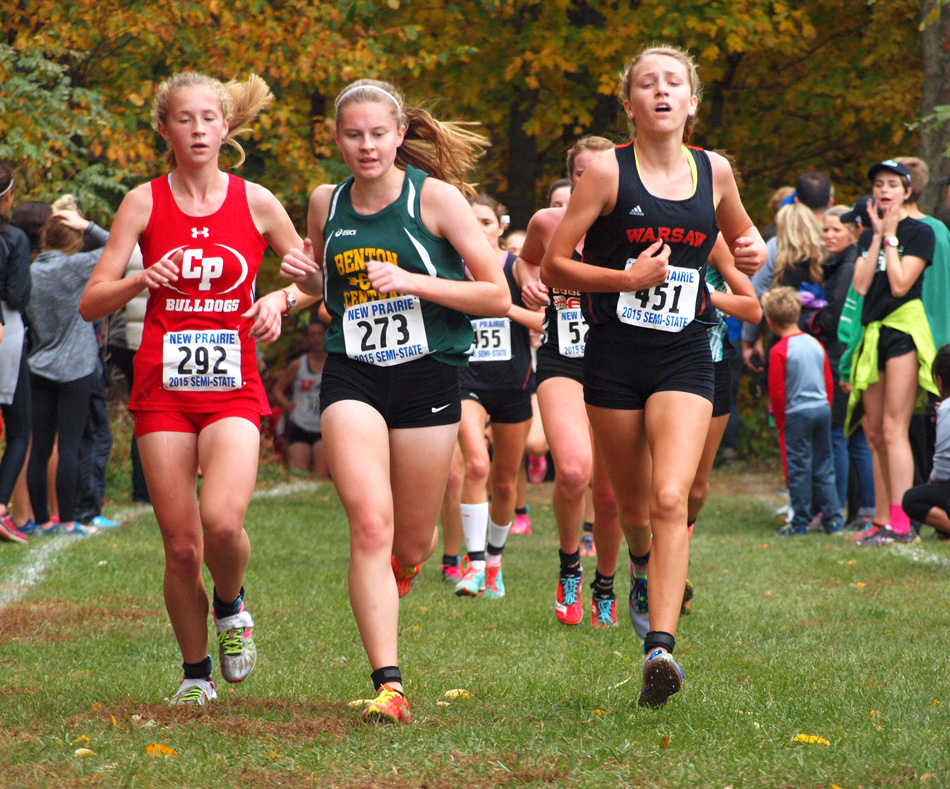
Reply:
x=201, y=361
x=667, y=307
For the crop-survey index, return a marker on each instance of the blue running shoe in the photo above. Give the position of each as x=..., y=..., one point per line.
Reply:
x=31, y=527
x=639, y=610
x=102, y=522
x=73, y=529
x=792, y=531
x=662, y=677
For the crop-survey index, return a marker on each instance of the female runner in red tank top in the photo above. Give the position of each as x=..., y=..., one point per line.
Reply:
x=649, y=210
x=197, y=397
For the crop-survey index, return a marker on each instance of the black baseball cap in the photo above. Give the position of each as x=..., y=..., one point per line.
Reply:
x=945, y=181
x=893, y=166
x=858, y=214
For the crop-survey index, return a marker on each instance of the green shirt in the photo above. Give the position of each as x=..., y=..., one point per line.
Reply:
x=936, y=292
x=389, y=328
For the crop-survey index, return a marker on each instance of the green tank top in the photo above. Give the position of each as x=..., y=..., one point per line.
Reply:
x=719, y=332
x=389, y=328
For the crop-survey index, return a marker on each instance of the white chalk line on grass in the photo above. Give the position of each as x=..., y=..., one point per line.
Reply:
x=25, y=576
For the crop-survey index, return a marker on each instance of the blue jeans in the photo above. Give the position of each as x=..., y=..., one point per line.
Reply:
x=848, y=452
x=810, y=467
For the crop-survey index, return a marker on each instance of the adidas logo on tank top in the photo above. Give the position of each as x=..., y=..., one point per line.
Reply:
x=636, y=211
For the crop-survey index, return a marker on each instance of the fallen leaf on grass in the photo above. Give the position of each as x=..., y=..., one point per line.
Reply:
x=813, y=739
x=157, y=749
x=763, y=546
x=95, y=706
x=935, y=703
x=926, y=778
x=599, y=712
x=457, y=693
x=81, y=738
x=664, y=743
x=858, y=585
x=84, y=752
x=359, y=702
x=114, y=721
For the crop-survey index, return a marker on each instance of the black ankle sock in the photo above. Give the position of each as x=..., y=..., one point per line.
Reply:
x=588, y=527
x=570, y=562
x=603, y=585
x=658, y=638
x=450, y=561
x=385, y=674
x=476, y=556
x=522, y=510
x=640, y=561
x=201, y=670
x=493, y=550
x=223, y=609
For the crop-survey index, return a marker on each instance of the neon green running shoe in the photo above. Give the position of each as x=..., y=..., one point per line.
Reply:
x=236, y=648
x=194, y=692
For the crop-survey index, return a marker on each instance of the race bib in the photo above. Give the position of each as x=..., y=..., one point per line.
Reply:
x=667, y=307
x=492, y=342
x=385, y=332
x=571, y=333
x=201, y=361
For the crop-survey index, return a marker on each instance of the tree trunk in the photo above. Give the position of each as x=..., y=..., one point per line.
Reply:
x=522, y=161
x=935, y=138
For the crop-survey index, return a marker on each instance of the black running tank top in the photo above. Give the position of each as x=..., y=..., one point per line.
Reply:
x=638, y=220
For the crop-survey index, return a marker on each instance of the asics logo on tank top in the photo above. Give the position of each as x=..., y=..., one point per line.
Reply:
x=203, y=233
x=342, y=232
x=636, y=211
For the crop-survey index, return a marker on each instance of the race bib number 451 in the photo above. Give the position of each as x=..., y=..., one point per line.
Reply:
x=385, y=332
x=201, y=361
x=667, y=307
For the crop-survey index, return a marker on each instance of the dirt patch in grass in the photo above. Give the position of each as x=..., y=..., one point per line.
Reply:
x=260, y=718
x=62, y=620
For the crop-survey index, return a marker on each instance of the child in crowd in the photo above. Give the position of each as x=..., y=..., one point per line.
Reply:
x=930, y=503
x=800, y=393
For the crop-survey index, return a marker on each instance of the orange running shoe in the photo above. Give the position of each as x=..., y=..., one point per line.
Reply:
x=390, y=706
x=405, y=576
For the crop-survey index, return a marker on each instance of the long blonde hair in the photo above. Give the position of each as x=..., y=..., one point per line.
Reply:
x=446, y=150
x=241, y=102
x=798, y=239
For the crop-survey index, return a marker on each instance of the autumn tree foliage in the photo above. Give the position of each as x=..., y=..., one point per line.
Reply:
x=830, y=85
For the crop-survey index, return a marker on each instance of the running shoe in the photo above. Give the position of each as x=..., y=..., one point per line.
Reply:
x=451, y=573
x=834, y=527
x=195, y=692
x=688, y=593
x=9, y=532
x=405, y=576
x=72, y=529
x=604, y=611
x=494, y=585
x=390, y=706
x=887, y=536
x=236, y=648
x=639, y=609
x=568, y=607
x=521, y=524
x=472, y=583
x=537, y=469
x=662, y=677
x=102, y=522
x=588, y=548
x=869, y=530
x=31, y=527
x=792, y=531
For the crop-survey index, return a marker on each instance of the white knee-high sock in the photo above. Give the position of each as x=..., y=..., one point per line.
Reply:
x=475, y=529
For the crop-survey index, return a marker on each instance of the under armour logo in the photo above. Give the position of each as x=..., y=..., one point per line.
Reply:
x=637, y=211
x=195, y=232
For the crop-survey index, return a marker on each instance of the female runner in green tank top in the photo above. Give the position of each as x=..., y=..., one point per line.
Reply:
x=390, y=241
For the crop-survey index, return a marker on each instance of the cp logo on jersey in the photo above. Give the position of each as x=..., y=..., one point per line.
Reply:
x=217, y=271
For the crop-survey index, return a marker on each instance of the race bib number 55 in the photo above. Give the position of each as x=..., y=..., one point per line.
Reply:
x=201, y=361
x=667, y=307
x=385, y=332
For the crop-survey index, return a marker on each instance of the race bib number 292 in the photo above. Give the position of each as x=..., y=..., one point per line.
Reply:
x=201, y=361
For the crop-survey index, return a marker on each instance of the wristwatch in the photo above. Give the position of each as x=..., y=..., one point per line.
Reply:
x=890, y=241
x=291, y=301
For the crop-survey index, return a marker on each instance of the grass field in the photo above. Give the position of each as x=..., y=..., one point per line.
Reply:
x=788, y=636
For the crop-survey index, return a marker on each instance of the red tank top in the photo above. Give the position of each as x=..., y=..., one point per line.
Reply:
x=196, y=353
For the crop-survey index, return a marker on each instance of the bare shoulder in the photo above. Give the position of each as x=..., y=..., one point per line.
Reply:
x=321, y=196
x=435, y=192
x=545, y=220
x=721, y=169
x=136, y=207
x=261, y=199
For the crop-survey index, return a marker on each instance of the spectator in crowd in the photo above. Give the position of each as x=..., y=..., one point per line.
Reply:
x=776, y=201
x=800, y=396
x=15, y=284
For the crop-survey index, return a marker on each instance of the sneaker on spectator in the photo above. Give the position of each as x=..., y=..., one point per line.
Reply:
x=537, y=469
x=101, y=522
x=9, y=532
